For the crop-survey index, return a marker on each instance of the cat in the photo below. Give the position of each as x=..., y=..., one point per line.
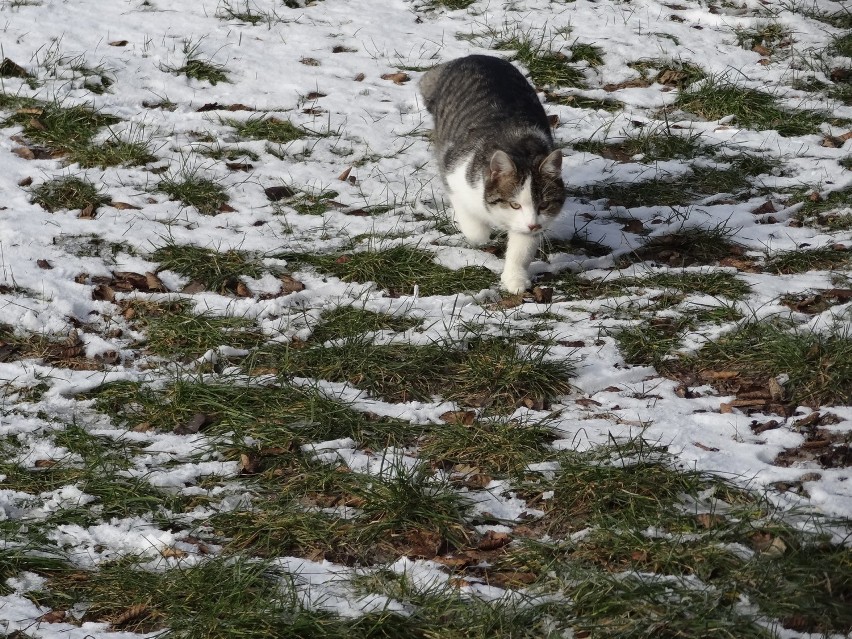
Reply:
x=496, y=156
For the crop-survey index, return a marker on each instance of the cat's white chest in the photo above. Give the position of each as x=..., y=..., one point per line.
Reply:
x=467, y=199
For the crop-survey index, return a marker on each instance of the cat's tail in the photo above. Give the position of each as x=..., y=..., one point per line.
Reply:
x=430, y=83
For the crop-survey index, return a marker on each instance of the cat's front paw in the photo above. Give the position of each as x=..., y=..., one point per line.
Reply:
x=515, y=283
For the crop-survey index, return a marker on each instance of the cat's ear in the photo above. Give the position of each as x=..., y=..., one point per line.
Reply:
x=501, y=165
x=552, y=164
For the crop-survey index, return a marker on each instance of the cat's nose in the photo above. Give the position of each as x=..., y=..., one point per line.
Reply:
x=534, y=227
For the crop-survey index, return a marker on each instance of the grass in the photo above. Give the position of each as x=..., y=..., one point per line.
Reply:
x=695, y=245
x=819, y=365
x=222, y=597
x=398, y=269
x=68, y=192
x=767, y=38
x=803, y=260
x=480, y=372
x=274, y=417
x=653, y=144
x=495, y=447
x=113, y=152
x=197, y=68
x=718, y=97
x=834, y=210
x=546, y=67
x=700, y=182
x=268, y=128
x=349, y=321
x=175, y=332
x=670, y=72
x=218, y=272
x=192, y=189
x=452, y=5
x=63, y=129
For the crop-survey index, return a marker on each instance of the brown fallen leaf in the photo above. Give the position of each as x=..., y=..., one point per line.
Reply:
x=87, y=212
x=44, y=264
x=396, y=78
x=224, y=207
x=24, y=152
x=712, y=449
x=154, y=283
x=103, y=292
x=493, y=540
x=290, y=284
x=249, y=464
x=242, y=290
x=463, y=417
x=193, y=287
x=542, y=294
x=54, y=616
x=276, y=193
x=11, y=69
x=124, y=206
x=195, y=424
x=760, y=50
x=553, y=120
x=27, y=181
x=239, y=166
x=45, y=463
x=360, y=77
x=345, y=175
x=130, y=614
x=311, y=62
x=118, y=43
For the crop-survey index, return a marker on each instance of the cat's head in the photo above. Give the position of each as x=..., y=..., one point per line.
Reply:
x=525, y=199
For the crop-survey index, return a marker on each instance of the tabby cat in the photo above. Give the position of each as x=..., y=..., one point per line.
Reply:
x=496, y=156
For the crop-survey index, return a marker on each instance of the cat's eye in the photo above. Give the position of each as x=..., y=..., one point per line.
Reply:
x=515, y=205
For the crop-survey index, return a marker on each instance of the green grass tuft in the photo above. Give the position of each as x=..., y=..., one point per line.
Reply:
x=267, y=128
x=398, y=269
x=68, y=193
x=113, y=153
x=62, y=129
x=819, y=365
x=803, y=260
x=546, y=67
x=349, y=321
x=219, y=272
x=718, y=97
x=191, y=189
x=480, y=372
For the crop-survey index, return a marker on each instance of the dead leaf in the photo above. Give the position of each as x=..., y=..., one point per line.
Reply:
x=239, y=166
x=311, y=62
x=712, y=449
x=345, y=175
x=27, y=181
x=243, y=290
x=44, y=264
x=45, y=463
x=10, y=69
x=195, y=424
x=103, y=292
x=54, y=616
x=463, y=417
x=249, y=464
x=154, y=283
x=193, y=287
x=542, y=294
x=760, y=50
x=24, y=152
x=758, y=429
x=493, y=540
x=131, y=614
x=118, y=43
x=124, y=206
x=224, y=207
x=396, y=78
x=709, y=520
x=553, y=120
x=172, y=552
x=276, y=193
x=88, y=212
x=360, y=77
x=511, y=301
